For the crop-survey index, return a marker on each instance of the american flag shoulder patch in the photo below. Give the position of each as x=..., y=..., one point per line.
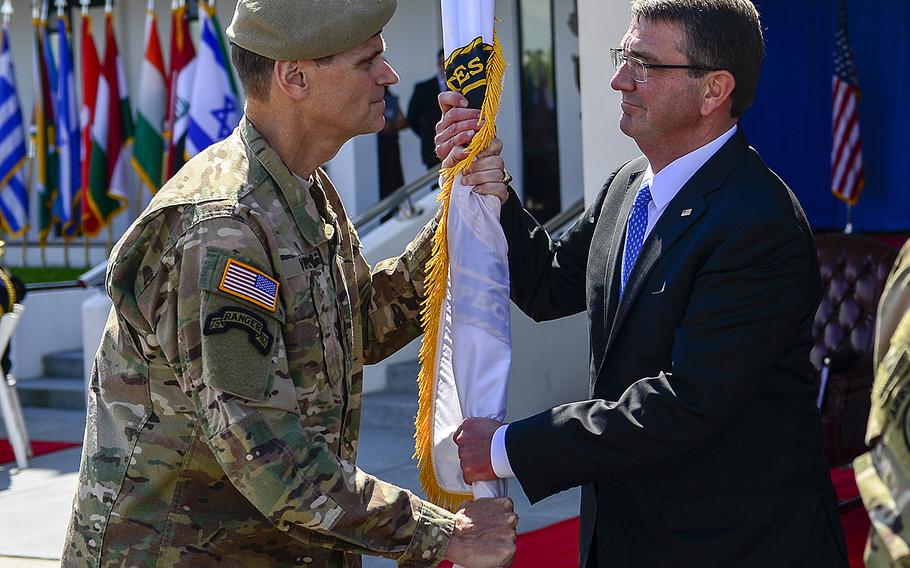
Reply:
x=248, y=283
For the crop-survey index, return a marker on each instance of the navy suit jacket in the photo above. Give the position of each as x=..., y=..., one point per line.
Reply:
x=700, y=444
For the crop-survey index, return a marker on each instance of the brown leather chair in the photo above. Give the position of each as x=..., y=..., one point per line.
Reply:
x=853, y=272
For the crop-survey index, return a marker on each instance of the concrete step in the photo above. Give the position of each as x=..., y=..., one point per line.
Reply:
x=402, y=377
x=64, y=364
x=52, y=392
x=388, y=410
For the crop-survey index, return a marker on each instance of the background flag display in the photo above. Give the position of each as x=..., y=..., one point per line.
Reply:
x=846, y=148
x=214, y=107
x=92, y=222
x=13, y=151
x=112, y=131
x=466, y=352
x=150, y=106
x=45, y=158
x=69, y=175
x=180, y=87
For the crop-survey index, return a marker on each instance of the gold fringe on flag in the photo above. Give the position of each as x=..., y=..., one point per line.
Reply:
x=437, y=274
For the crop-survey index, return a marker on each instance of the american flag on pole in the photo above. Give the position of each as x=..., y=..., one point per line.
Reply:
x=846, y=148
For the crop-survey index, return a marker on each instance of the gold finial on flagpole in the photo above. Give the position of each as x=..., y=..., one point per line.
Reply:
x=7, y=11
x=85, y=5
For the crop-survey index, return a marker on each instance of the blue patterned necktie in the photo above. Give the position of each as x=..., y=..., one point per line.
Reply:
x=635, y=233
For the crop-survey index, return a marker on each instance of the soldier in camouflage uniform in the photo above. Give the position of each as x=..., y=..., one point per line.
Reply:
x=883, y=474
x=225, y=396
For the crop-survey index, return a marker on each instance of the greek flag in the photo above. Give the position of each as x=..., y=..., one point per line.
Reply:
x=67, y=131
x=13, y=153
x=214, y=107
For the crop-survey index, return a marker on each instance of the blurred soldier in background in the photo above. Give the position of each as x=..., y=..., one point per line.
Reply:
x=883, y=474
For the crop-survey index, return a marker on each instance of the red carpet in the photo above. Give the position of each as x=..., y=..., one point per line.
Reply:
x=556, y=546
x=855, y=522
x=39, y=447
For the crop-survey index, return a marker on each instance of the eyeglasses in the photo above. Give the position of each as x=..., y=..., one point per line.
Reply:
x=639, y=68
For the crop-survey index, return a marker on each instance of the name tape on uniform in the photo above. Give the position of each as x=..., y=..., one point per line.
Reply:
x=245, y=282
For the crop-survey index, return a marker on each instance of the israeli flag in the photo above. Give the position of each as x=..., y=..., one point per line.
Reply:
x=13, y=151
x=68, y=135
x=214, y=106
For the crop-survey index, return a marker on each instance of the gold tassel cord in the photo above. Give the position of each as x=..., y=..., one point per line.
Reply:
x=437, y=275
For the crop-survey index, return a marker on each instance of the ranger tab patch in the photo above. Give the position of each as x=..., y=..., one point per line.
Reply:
x=247, y=283
x=244, y=320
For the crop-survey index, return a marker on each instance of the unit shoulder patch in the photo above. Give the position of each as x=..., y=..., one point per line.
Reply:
x=244, y=320
x=250, y=284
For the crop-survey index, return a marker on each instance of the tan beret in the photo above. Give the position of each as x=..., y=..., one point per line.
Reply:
x=290, y=30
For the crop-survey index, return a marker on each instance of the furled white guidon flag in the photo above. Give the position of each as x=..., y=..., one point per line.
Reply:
x=466, y=354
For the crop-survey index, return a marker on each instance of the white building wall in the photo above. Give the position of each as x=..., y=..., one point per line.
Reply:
x=568, y=103
x=602, y=24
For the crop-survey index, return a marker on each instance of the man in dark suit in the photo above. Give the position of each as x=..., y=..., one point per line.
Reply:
x=423, y=111
x=700, y=445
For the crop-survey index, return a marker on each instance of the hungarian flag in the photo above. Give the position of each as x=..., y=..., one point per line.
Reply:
x=45, y=160
x=66, y=205
x=180, y=87
x=466, y=352
x=92, y=222
x=149, y=147
x=112, y=134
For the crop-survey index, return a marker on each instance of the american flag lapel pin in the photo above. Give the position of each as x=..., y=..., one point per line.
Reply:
x=685, y=213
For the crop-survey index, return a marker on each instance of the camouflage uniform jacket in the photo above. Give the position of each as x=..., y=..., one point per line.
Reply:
x=224, y=412
x=883, y=474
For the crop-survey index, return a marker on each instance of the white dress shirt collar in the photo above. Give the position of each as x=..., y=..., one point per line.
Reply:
x=668, y=181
